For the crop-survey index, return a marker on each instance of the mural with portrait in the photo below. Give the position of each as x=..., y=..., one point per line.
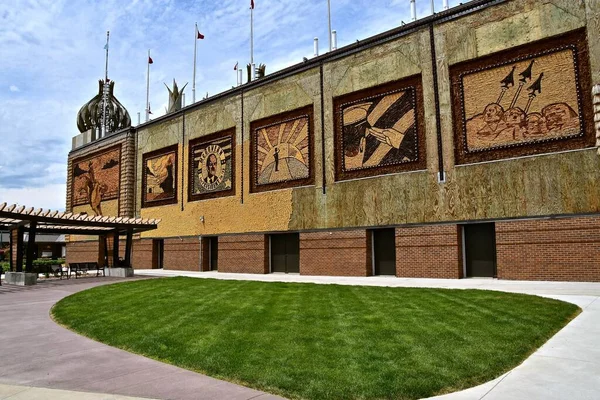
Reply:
x=160, y=177
x=96, y=179
x=212, y=166
x=378, y=130
x=282, y=150
x=530, y=98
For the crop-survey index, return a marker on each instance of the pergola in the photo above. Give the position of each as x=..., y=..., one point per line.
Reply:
x=19, y=219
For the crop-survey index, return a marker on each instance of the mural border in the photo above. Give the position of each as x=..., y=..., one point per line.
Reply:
x=231, y=132
x=275, y=120
x=415, y=82
x=153, y=154
x=94, y=154
x=575, y=40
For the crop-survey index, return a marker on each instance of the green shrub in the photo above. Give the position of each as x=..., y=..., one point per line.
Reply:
x=42, y=262
x=4, y=266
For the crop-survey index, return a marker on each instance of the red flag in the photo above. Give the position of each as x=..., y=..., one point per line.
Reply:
x=235, y=67
x=149, y=112
x=200, y=36
x=252, y=4
x=150, y=60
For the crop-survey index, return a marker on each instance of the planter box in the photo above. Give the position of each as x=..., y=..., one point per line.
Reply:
x=20, y=278
x=119, y=272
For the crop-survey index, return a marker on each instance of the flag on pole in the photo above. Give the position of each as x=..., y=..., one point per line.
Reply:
x=149, y=111
x=150, y=60
x=106, y=46
x=235, y=66
x=252, y=4
x=200, y=36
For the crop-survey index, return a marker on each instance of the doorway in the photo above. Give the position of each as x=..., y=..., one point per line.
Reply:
x=158, y=253
x=384, y=251
x=285, y=253
x=213, y=253
x=480, y=250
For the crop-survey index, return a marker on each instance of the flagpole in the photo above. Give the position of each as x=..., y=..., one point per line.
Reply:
x=194, y=78
x=329, y=17
x=104, y=88
x=148, y=88
x=251, y=36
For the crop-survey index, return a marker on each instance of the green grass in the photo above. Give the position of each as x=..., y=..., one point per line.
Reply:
x=320, y=341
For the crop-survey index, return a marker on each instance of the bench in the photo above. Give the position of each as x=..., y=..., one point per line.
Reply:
x=54, y=269
x=80, y=268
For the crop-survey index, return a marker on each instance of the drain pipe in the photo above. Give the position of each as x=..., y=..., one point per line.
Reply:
x=438, y=117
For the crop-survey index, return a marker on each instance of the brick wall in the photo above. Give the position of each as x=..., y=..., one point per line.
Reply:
x=182, y=254
x=244, y=253
x=432, y=251
x=82, y=251
x=566, y=249
x=142, y=254
x=344, y=253
x=16, y=249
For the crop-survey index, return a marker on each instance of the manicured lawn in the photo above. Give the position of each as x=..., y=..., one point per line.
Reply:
x=320, y=341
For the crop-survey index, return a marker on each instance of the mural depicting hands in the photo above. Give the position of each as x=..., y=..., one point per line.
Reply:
x=389, y=136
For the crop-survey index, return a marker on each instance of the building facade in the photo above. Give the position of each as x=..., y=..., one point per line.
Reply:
x=462, y=144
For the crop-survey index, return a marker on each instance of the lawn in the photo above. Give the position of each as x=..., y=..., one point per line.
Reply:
x=320, y=341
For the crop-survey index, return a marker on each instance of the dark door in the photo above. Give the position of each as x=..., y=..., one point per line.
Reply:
x=384, y=251
x=214, y=253
x=158, y=247
x=480, y=250
x=285, y=253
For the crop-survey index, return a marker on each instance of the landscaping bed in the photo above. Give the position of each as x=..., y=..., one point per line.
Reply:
x=320, y=341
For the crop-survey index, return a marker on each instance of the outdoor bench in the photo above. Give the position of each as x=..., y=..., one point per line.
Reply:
x=80, y=268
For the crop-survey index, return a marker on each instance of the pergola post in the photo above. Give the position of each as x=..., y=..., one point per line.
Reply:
x=116, y=249
x=102, y=251
x=30, y=246
x=128, y=244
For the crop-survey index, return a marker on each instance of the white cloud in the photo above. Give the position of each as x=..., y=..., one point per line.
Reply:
x=48, y=196
x=13, y=88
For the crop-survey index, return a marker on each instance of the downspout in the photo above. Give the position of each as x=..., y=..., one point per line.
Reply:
x=242, y=145
x=436, y=96
x=182, y=156
x=322, y=127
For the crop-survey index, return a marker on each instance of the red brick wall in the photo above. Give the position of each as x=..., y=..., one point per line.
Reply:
x=82, y=251
x=141, y=257
x=14, y=250
x=432, y=251
x=244, y=253
x=344, y=253
x=566, y=249
x=182, y=254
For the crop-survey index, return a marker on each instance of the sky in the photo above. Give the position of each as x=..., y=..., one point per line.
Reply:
x=52, y=56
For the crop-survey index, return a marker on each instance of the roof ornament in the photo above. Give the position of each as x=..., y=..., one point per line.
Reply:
x=175, y=97
x=91, y=115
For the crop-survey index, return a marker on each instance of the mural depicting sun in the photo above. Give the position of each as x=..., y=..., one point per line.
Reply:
x=283, y=151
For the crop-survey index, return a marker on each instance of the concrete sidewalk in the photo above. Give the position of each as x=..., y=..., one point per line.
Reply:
x=36, y=352
x=11, y=392
x=566, y=367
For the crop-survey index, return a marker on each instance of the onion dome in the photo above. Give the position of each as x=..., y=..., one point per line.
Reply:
x=90, y=115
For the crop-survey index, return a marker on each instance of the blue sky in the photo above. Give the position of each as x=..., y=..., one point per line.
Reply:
x=51, y=57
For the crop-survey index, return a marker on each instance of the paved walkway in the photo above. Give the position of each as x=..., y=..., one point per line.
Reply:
x=566, y=367
x=13, y=392
x=37, y=353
